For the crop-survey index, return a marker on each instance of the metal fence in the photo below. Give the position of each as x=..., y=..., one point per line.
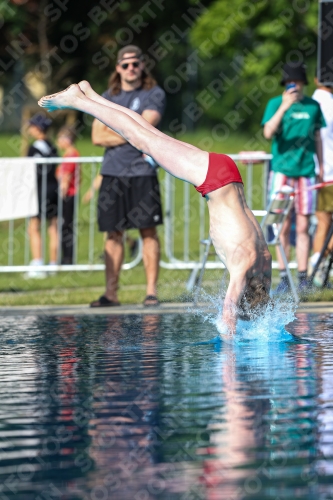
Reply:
x=185, y=221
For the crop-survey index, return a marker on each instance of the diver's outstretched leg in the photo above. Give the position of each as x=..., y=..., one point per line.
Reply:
x=188, y=164
x=91, y=94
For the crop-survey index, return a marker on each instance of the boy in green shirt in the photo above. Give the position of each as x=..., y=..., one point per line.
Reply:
x=293, y=121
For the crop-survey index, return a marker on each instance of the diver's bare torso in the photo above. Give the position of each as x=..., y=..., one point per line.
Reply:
x=238, y=239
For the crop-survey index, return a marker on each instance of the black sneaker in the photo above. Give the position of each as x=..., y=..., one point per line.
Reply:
x=283, y=287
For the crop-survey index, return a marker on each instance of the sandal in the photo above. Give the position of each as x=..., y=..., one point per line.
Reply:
x=104, y=302
x=151, y=301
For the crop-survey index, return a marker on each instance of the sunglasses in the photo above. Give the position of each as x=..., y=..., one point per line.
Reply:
x=135, y=64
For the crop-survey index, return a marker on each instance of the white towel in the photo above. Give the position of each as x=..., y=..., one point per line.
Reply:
x=18, y=188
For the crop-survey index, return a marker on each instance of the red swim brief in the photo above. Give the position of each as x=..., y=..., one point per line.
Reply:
x=222, y=170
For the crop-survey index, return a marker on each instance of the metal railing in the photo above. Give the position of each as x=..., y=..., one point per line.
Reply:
x=185, y=220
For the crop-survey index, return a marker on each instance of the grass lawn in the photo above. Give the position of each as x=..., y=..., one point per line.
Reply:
x=82, y=287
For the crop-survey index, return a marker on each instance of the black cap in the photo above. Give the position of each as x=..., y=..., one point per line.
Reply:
x=294, y=71
x=41, y=122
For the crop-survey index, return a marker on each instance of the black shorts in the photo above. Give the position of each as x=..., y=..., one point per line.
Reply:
x=129, y=203
x=51, y=205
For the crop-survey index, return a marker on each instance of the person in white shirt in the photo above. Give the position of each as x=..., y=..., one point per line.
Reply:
x=323, y=95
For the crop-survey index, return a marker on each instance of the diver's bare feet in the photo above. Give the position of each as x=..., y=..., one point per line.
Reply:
x=89, y=92
x=65, y=99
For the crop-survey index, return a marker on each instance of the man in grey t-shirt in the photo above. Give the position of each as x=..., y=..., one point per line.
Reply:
x=129, y=195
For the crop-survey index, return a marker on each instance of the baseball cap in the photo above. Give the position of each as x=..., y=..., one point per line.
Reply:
x=294, y=71
x=129, y=49
x=41, y=122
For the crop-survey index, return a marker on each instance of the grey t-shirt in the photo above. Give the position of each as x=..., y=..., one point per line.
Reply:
x=125, y=160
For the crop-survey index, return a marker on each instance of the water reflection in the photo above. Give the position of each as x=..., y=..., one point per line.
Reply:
x=144, y=407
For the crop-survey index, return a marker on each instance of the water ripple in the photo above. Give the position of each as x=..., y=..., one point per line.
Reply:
x=158, y=407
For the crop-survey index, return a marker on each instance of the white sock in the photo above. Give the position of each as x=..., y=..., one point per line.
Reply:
x=314, y=258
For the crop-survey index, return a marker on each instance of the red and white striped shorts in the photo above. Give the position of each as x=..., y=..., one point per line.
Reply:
x=305, y=201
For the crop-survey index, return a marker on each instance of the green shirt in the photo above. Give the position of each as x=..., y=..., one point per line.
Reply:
x=294, y=144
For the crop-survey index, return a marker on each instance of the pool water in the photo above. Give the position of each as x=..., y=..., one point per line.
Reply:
x=157, y=407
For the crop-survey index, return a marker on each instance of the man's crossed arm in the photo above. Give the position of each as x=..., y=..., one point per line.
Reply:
x=101, y=135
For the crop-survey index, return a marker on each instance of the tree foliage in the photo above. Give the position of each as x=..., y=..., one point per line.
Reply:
x=58, y=42
x=210, y=56
x=253, y=40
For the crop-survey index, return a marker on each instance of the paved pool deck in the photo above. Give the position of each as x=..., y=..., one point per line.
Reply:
x=164, y=308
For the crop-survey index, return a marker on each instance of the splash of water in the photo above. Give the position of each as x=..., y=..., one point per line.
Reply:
x=267, y=326
x=270, y=324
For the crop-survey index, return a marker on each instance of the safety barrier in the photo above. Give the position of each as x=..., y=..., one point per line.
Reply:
x=185, y=221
